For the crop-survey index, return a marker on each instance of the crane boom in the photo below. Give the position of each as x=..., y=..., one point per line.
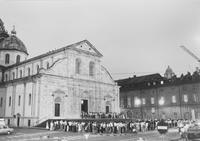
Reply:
x=190, y=53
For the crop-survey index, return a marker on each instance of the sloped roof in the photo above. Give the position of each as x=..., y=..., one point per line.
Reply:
x=140, y=79
x=154, y=80
x=72, y=46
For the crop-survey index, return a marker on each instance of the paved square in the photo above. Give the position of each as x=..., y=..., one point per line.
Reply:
x=26, y=134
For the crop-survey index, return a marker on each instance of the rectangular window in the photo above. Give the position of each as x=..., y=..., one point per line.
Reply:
x=173, y=99
x=1, y=102
x=122, y=102
x=143, y=101
x=29, y=123
x=8, y=122
x=195, y=98
x=20, y=73
x=153, y=110
x=185, y=98
x=152, y=100
x=13, y=75
x=9, y=101
x=19, y=99
x=29, y=101
x=137, y=102
x=129, y=101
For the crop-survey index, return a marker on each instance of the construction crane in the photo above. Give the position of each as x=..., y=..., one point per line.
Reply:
x=191, y=54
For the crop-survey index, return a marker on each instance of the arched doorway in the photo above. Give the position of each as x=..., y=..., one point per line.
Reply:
x=57, y=102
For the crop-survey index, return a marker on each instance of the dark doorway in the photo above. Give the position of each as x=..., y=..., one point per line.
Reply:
x=18, y=121
x=8, y=122
x=29, y=123
x=84, y=105
x=57, y=109
x=107, y=109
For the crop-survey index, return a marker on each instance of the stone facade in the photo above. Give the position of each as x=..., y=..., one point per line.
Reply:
x=153, y=97
x=55, y=85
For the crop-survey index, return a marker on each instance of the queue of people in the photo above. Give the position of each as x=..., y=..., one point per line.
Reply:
x=106, y=126
x=97, y=115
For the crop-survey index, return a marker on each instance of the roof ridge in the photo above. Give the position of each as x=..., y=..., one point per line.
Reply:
x=51, y=52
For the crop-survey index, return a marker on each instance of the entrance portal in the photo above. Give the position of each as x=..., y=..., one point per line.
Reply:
x=107, y=109
x=84, y=106
x=18, y=121
x=57, y=109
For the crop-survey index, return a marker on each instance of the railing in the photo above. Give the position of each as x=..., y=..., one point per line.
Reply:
x=42, y=119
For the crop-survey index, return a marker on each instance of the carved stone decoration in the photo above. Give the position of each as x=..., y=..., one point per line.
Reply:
x=58, y=91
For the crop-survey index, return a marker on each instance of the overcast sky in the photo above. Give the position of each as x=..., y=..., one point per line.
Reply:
x=136, y=37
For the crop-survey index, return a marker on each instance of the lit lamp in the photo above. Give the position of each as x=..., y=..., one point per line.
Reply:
x=161, y=101
x=137, y=102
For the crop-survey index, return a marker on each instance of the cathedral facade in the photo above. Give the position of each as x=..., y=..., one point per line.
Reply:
x=59, y=84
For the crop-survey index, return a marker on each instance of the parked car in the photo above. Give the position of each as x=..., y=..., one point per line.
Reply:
x=6, y=130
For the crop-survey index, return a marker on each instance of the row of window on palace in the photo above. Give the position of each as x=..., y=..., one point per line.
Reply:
x=19, y=101
x=78, y=68
x=142, y=101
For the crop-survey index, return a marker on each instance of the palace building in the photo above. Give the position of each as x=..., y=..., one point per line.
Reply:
x=59, y=84
x=156, y=97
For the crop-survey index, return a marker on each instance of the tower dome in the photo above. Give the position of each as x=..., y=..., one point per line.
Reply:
x=12, y=49
x=10, y=42
x=13, y=43
x=169, y=73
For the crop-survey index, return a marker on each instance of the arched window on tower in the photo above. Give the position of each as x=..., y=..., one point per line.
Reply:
x=20, y=73
x=38, y=68
x=78, y=66
x=1, y=102
x=29, y=71
x=7, y=59
x=18, y=59
x=91, y=68
x=6, y=77
x=13, y=75
x=9, y=104
x=29, y=101
x=47, y=65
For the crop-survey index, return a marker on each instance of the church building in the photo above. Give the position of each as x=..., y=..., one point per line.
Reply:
x=59, y=84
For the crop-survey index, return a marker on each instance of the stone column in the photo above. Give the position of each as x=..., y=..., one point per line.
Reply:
x=33, y=95
x=13, y=100
x=24, y=103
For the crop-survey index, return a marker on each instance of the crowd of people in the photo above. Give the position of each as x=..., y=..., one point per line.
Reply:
x=107, y=126
x=97, y=115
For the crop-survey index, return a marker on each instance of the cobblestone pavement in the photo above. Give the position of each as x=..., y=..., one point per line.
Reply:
x=44, y=135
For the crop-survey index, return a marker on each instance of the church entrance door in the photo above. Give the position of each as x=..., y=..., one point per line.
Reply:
x=18, y=121
x=57, y=109
x=107, y=109
x=84, y=106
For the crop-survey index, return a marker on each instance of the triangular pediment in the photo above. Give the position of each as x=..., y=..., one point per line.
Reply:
x=86, y=47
